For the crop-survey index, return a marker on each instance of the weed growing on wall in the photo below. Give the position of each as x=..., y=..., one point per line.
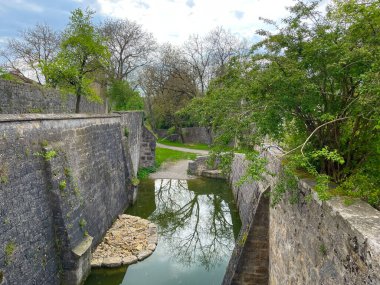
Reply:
x=62, y=185
x=3, y=174
x=9, y=250
x=135, y=181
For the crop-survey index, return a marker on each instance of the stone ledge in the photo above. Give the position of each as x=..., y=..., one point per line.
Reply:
x=52, y=117
x=129, y=240
x=84, y=245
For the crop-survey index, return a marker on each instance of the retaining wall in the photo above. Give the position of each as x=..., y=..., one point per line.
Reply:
x=63, y=180
x=20, y=98
x=310, y=242
x=196, y=135
x=188, y=135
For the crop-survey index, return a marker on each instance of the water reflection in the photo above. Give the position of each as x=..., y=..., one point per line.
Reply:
x=197, y=222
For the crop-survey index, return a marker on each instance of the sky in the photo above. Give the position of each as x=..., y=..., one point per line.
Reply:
x=168, y=20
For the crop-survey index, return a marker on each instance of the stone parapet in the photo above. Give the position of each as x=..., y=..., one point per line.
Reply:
x=20, y=98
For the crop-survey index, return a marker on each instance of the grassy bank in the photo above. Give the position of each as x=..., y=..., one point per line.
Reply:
x=164, y=155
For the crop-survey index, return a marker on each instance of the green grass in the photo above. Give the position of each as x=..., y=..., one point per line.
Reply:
x=186, y=145
x=165, y=155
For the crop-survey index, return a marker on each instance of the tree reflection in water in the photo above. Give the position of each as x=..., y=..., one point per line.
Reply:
x=194, y=221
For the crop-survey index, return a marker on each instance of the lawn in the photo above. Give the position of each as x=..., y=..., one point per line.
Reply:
x=164, y=155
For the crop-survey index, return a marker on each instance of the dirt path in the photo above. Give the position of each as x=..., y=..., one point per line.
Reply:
x=172, y=170
x=176, y=169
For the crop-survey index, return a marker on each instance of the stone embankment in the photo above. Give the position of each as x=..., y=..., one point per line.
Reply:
x=129, y=240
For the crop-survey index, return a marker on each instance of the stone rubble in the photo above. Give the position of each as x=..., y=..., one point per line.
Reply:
x=130, y=239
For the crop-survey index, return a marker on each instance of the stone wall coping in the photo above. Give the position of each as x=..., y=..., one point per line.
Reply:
x=52, y=117
x=127, y=112
x=83, y=246
x=359, y=215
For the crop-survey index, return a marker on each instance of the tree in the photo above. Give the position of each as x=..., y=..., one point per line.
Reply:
x=208, y=55
x=198, y=54
x=36, y=47
x=129, y=45
x=168, y=85
x=313, y=86
x=82, y=53
x=123, y=97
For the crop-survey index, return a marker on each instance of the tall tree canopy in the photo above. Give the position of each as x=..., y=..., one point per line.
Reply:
x=34, y=48
x=82, y=53
x=130, y=47
x=313, y=86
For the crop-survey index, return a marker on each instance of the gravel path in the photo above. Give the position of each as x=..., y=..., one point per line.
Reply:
x=173, y=170
x=197, y=151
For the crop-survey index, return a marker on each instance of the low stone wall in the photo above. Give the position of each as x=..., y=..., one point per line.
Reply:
x=311, y=242
x=20, y=98
x=63, y=181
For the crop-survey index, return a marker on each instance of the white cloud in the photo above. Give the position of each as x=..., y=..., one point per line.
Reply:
x=174, y=20
x=22, y=5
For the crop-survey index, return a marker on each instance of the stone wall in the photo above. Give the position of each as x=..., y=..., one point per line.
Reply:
x=196, y=135
x=315, y=242
x=188, y=135
x=20, y=98
x=132, y=128
x=249, y=263
x=63, y=180
x=147, y=149
x=310, y=242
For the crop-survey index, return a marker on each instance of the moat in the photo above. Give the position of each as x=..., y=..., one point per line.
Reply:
x=197, y=223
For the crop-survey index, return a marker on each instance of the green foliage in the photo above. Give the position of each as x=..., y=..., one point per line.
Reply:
x=313, y=86
x=255, y=168
x=243, y=239
x=82, y=53
x=47, y=155
x=123, y=97
x=62, y=185
x=145, y=171
x=126, y=132
x=172, y=130
x=135, y=181
x=4, y=174
x=82, y=223
x=323, y=249
x=10, y=248
x=5, y=75
x=68, y=173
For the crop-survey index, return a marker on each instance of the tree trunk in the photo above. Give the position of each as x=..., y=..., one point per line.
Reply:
x=77, y=105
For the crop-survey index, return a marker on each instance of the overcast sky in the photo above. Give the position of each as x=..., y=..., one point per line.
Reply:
x=169, y=20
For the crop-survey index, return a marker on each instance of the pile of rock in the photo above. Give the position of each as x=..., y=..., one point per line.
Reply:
x=129, y=240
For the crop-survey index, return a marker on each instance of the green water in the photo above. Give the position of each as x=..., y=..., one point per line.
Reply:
x=197, y=222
